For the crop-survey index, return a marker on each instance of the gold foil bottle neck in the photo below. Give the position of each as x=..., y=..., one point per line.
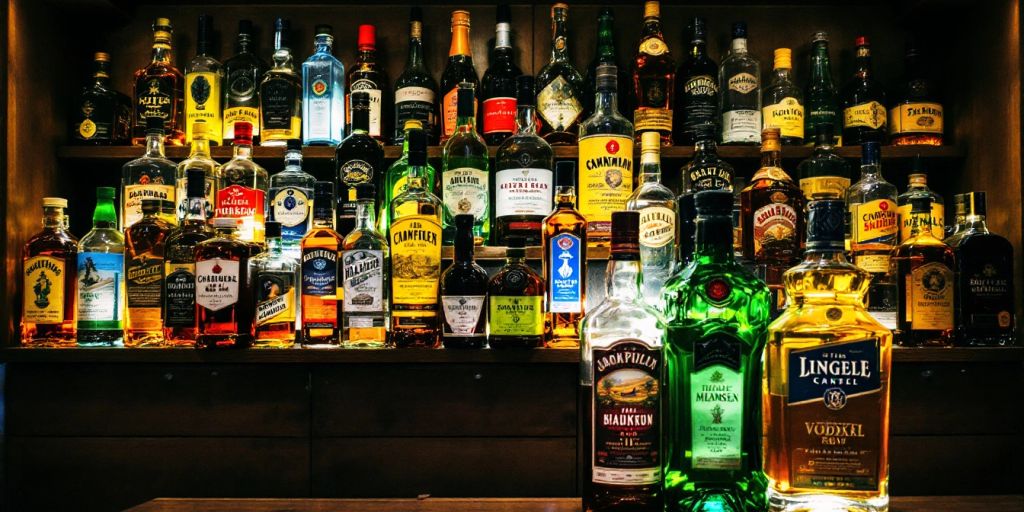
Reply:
x=783, y=58
x=652, y=9
x=770, y=140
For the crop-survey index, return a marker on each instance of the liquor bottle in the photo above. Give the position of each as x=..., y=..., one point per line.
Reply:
x=101, y=115
x=150, y=176
x=366, y=76
x=415, y=238
x=564, y=249
x=740, y=101
x=687, y=229
x=522, y=183
x=242, y=191
x=705, y=172
x=821, y=95
x=864, y=113
x=739, y=184
x=49, y=285
x=100, y=285
x=605, y=53
x=365, y=258
x=144, y=244
x=874, y=231
x=321, y=274
x=275, y=283
x=203, y=79
x=653, y=78
x=515, y=302
x=498, y=87
x=464, y=293
x=826, y=366
x=280, y=93
x=716, y=316
x=984, y=281
x=415, y=88
x=180, y=263
x=696, y=91
x=291, y=201
x=959, y=225
x=923, y=268
x=198, y=158
x=560, y=86
x=917, y=187
x=620, y=370
x=465, y=180
x=323, y=93
x=458, y=70
x=224, y=308
x=782, y=103
x=916, y=114
x=825, y=175
x=657, y=207
x=158, y=90
x=242, y=75
x=605, y=160
x=397, y=176
x=358, y=159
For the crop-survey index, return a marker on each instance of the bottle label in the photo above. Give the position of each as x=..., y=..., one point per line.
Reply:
x=217, y=283
x=565, y=284
x=701, y=93
x=499, y=115
x=353, y=173
x=653, y=46
x=606, y=178
x=291, y=207
x=275, y=299
x=516, y=316
x=278, y=105
x=742, y=83
x=824, y=187
x=874, y=263
x=464, y=191
x=97, y=120
x=908, y=221
x=181, y=192
x=558, y=104
x=415, y=261
x=144, y=278
x=986, y=288
x=865, y=115
x=202, y=103
x=414, y=103
x=134, y=194
x=370, y=88
x=874, y=222
x=775, y=223
x=100, y=287
x=787, y=115
x=834, y=416
x=716, y=403
x=741, y=127
x=626, y=417
x=154, y=97
x=319, y=280
x=657, y=226
x=462, y=315
x=647, y=119
x=449, y=111
x=180, y=295
x=916, y=118
x=363, y=277
x=321, y=95
x=87, y=129
x=44, y=290
x=524, y=191
x=244, y=203
x=242, y=101
x=234, y=115
x=709, y=177
x=930, y=297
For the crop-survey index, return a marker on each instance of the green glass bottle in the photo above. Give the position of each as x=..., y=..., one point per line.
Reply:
x=716, y=315
x=101, y=289
x=821, y=96
x=465, y=179
x=397, y=176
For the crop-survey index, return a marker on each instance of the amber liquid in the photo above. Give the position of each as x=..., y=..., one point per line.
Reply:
x=231, y=327
x=162, y=68
x=323, y=309
x=769, y=186
x=146, y=239
x=57, y=243
x=910, y=255
x=562, y=330
x=654, y=78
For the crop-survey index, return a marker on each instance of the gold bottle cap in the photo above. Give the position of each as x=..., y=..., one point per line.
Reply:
x=559, y=7
x=101, y=57
x=652, y=9
x=413, y=123
x=783, y=58
x=55, y=202
x=199, y=129
x=416, y=29
x=918, y=179
x=650, y=142
x=162, y=30
x=460, y=18
x=770, y=140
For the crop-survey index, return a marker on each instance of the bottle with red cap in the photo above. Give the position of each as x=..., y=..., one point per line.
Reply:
x=366, y=76
x=242, y=192
x=864, y=112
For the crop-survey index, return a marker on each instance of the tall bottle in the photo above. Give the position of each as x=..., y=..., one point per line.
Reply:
x=150, y=176
x=198, y=158
x=48, y=263
x=782, y=102
x=358, y=159
x=498, y=87
x=180, y=263
x=242, y=75
x=825, y=175
x=281, y=93
x=465, y=180
x=654, y=77
x=101, y=293
x=321, y=274
x=458, y=70
x=101, y=114
x=291, y=201
x=224, y=295
x=707, y=171
x=242, y=192
x=864, y=112
x=515, y=302
x=564, y=249
x=145, y=243
x=415, y=88
x=323, y=92
x=203, y=79
x=918, y=187
x=923, y=268
x=397, y=176
x=159, y=90
x=821, y=95
x=916, y=115
x=696, y=91
x=560, y=86
x=605, y=53
x=740, y=101
x=276, y=289
x=367, y=76
x=657, y=207
x=463, y=289
x=365, y=260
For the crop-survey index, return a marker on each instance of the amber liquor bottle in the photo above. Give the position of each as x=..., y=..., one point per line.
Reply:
x=180, y=263
x=564, y=249
x=923, y=267
x=916, y=114
x=49, y=261
x=515, y=302
x=464, y=293
x=144, y=251
x=459, y=69
x=275, y=278
x=224, y=308
x=321, y=278
x=159, y=90
x=654, y=78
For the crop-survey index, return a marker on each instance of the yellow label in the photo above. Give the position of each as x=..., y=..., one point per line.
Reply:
x=606, y=177
x=292, y=132
x=824, y=187
x=865, y=115
x=202, y=103
x=653, y=46
x=874, y=263
x=786, y=115
x=916, y=118
x=134, y=194
x=907, y=221
x=44, y=290
x=874, y=222
x=87, y=129
x=657, y=226
x=415, y=260
x=277, y=308
x=652, y=119
x=516, y=316
x=930, y=297
x=249, y=115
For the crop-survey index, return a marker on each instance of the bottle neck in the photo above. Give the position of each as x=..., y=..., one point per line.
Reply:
x=739, y=46
x=53, y=218
x=323, y=44
x=714, y=238
x=607, y=100
x=464, y=246
x=104, y=217
x=323, y=217
x=155, y=145
x=361, y=120
x=625, y=279
x=274, y=247
x=282, y=56
x=415, y=59
x=870, y=170
x=783, y=75
x=243, y=44
x=515, y=257
x=196, y=210
x=365, y=215
x=162, y=52
x=771, y=158
x=863, y=62
x=976, y=223
x=559, y=46
x=243, y=150
x=605, y=42
x=821, y=71
x=466, y=124
x=565, y=197
x=526, y=119
x=200, y=148
x=650, y=167
x=460, y=42
x=367, y=57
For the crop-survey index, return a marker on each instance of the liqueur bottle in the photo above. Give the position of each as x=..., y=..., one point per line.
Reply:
x=323, y=92
x=916, y=114
x=716, y=316
x=653, y=78
x=923, y=268
x=397, y=176
x=705, y=172
x=822, y=97
x=365, y=258
x=144, y=251
x=605, y=160
x=864, y=113
x=203, y=79
x=358, y=159
x=464, y=293
x=458, y=70
x=918, y=187
x=366, y=76
x=522, y=181
x=984, y=281
x=151, y=176
x=159, y=91
x=415, y=88
x=657, y=207
x=291, y=200
x=825, y=175
x=515, y=302
x=696, y=91
x=782, y=103
x=321, y=276
x=49, y=259
x=224, y=295
x=100, y=284
x=242, y=191
x=242, y=75
x=740, y=101
x=465, y=180
x=560, y=86
x=100, y=114
x=605, y=53
x=564, y=249
x=620, y=370
x=498, y=87
x=280, y=93
x=826, y=383
x=199, y=159
x=959, y=224
x=275, y=283
x=180, y=263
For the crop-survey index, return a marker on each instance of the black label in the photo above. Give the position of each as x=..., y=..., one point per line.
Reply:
x=241, y=87
x=986, y=287
x=278, y=105
x=144, y=277
x=410, y=110
x=719, y=348
x=319, y=272
x=700, y=105
x=154, y=97
x=180, y=299
x=94, y=120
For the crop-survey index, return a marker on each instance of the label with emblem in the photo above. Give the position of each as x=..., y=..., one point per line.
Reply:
x=824, y=187
x=373, y=91
x=709, y=177
x=317, y=105
x=463, y=315
x=647, y=119
x=100, y=287
x=657, y=226
x=363, y=278
x=202, y=103
x=916, y=118
x=275, y=299
x=147, y=188
x=716, y=402
x=742, y=83
x=242, y=103
x=415, y=262
x=499, y=115
x=524, y=191
x=907, y=221
x=244, y=203
x=605, y=178
x=653, y=46
x=774, y=224
x=217, y=283
x=787, y=115
x=319, y=268
x=865, y=115
x=565, y=284
x=930, y=297
x=558, y=104
x=180, y=295
x=515, y=315
x=154, y=98
x=874, y=222
x=44, y=290
x=464, y=190
x=291, y=207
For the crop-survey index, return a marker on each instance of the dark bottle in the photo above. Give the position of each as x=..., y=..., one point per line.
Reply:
x=606, y=54
x=180, y=262
x=281, y=92
x=515, y=302
x=560, y=86
x=825, y=175
x=242, y=75
x=916, y=113
x=653, y=78
x=100, y=114
x=498, y=87
x=864, y=113
x=923, y=268
x=705, y=172
x=696, y=91
x=821, y=97
x=367, y=76
x=415, y=89
x=464, y=293
x=459, y=69
x=358, y=159
x=224, y=308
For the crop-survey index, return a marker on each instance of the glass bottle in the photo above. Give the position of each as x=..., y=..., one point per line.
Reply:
x=159, y=90
x=224, y=295
x=49, y=283
x=203, y=80
x=464, y=293
x=498, y=87
x=180, y=263
x=365, y=258
x=100, y=114
x=918, y=187
x=291, y=201
x=564, y=249
x=696, y=91
x=275, y=283
x=515, y=302
x=281, y=92
x=923, y=268
x=740, y=101
x=822, y=97
x=959, y=225
x=560, y=86
x=397, y=176
x=916, y=115
x=782, y=102
x=459, y=70
x=415, y=88
x=465, y=178
x=100, y=285
x=739, y=184
x=144, y=246
x=825, y=175
x=368, y=77
x=150, y=176
x=653, y=78
x=198, y=158
x=242, y=187
x=705, y=172
x=657, y=207
x=358, y=159
x=864, y=112
x=605, y=53
x=242, y=75
x=321, y=273
x=323, y=93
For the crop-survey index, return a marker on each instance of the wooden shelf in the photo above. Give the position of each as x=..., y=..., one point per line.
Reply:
x=492, y=253
x=957, y=354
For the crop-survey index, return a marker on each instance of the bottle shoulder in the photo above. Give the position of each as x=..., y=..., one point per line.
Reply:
x=511, y=149
x=366, y=239
x=293, y=179
x=102, y=240
x=49, y=238
x=613, y=320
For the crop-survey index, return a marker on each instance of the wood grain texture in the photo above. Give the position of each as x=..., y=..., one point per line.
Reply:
x=936, y=465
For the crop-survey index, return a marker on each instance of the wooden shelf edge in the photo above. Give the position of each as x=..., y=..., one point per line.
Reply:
x=497, y=253
x=957, y=354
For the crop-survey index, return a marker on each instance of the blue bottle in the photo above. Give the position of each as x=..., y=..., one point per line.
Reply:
x=323, y=91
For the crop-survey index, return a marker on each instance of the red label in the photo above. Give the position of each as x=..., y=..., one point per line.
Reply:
x=499, y=115
x=238, y=201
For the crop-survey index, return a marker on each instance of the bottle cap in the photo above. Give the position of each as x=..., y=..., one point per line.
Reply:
x=823, y=134
x=272, y=229
x=226, y=222
x=713, y=202
x=367, y=37
x=698, y=28
x=525, y=91
x=959, y=206
x=650, y=142
x=826, y=224
x=921, y=204
x=460, y=18
x=771, y=140
x=464, y=221
x=559, y=8
x=652, y=9
x=870, y=153
x=974, y=203
x=324, y=29
x=626, y=232
x=465, y=100
x=819, y=36
x=154, y=125
x=101, y=57
x=204, y=28
x=739, y=30
x=294, y=145
x=504, y=14
x=861, y=41
x=412, y=123
x=162, y=25
x=565, y=173
x=151, y=205
x=104, y=192
x=514, y=241
x=199, y=129
x=195, y=183
x=417, y=147
x=607, y=77
x=245, y=27
x=243, y=132
x=365, y=191
x=55, y=202
x=783, y=58
x=918, y=179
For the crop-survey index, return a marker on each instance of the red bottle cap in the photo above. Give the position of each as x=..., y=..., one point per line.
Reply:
x=243, y=132
x=367, y=37
x=861, y=41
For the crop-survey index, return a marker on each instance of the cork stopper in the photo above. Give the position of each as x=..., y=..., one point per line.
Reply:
x=55, y=202
x=783, y=58
x=919, y=179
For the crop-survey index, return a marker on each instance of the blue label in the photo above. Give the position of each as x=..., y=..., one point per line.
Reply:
x=319, y=272
x=566, y=282
x=100, y=286
x=834, y=372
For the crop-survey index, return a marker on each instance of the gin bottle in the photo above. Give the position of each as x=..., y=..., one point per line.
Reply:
x=740, y=81
x=101, y=289
x=323, y=93
x=365, y=259
x=291, y=200
x=49, y=262
x=657, y=207
x=465, y=181
x=276, y=286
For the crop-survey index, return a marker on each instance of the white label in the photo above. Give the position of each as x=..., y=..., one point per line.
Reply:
x=414, y=94
x=370, y=89
x=291, y=207
x=888, y=319
x=523, y=192
x=100, y=286
x=217, y=283
x=741, y=126
x=363, y=274
x=657, y=226
x=462, y=313
x=557, y=104
x=465, y=191
x=272, y=307
x=134, y=194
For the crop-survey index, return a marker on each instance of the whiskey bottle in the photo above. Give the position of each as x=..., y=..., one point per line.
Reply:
x=101, y=115
x=358, y=159
x=605, y=53
x=740, y=81
x=366, y=76
x=827, y=366
x=49, y=260
x=522, y=183
x=242, y=190
x=224, y=297
x=397, y=176
x=275, y=284
x=653, y=78
x=465, y=180
x=696, y=91
x=873, y=231
x=242, y=75
x=151, y=176
x=657, y=207
x=459, y=70
x=199, y=159
x=515, y=302
x=100, y=285
x=916, y=114
x=825, y=175
x=918, y=187
x=923, y=268
x=621, y=370
x=321, y=273
x=464, y=293
x=959, y=225
x=144, y=251
x=323, y=93
x=365, y=258
x=415, y=88
x=180, y=263
x=864, y=112
x=203, y=80
x=158, y=90
x=280, y=93
x=822, y=97
x=782, y=102
x=498, y=87
x=560, y=86
x=564, y=249
x=984, y=281
x=716, y=315
x=291, y=200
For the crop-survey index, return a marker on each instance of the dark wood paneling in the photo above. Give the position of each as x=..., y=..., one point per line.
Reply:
x=277, y=357
x=937, y=465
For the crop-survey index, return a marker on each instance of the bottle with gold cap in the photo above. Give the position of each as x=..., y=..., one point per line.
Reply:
x=159, y=90
x=202, y=86
x=654, y=76
x=102, y=115
x=48, y=273
x=918, y=187
x=783, y=102
x=864, y=112
x=560, y=85
x=459, y=69
x=657, y=207
x=198, y=158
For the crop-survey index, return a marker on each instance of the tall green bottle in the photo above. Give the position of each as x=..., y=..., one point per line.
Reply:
x=465, y=176
x=101, y=291
x=821, y=97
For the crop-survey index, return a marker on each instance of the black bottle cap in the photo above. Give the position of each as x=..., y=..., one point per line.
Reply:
x=917, y=164
x=323, y=191
x=921, y=204
x=714, y=202
x=974, y=203
x=464, y=221
x=150, y=205
x=525, y=91
x=565, y=173
x=823, y=134
x=154, y=124
x=416, y=14
x=826, y=229
x=504, y=14
x=245, y=27
x=272, y=229
x=324, y=29
x=625, y=233
x=282, y=24
x=739, y=30
x=365, y=191
x=195, y=183
x=282, y=38
x=294, y=145
x=513, y=241
x=417, y=147
x=465, y=100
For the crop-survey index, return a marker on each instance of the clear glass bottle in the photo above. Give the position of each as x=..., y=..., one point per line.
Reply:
x=923, y=268
x=464, y=293
x=203, y=80
x=782, y=102
x=465, y=178
x=696, y=90
x=564, y=249
x=959, y=224
x=656, y=204
x=150, y=176
x=740, y=100
x=515, y=302
x=918, y=187
x=365, y=260
x=397, y=176
x=821, y=94
x=242, y=187
x=242, y=75
x=291, y=200
x=321, y=273
x=49, y=260
x=145, y=243
x=415, y=89
x=323, y=93
x=198, y=158
x=224, y=295
x=281, y=93
x=159, y=90
x=276, y=286
x=358, y=159
x=101, y=289
x=180, y=263
x=654, y=76
x=825, y=175
x=560, y=85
